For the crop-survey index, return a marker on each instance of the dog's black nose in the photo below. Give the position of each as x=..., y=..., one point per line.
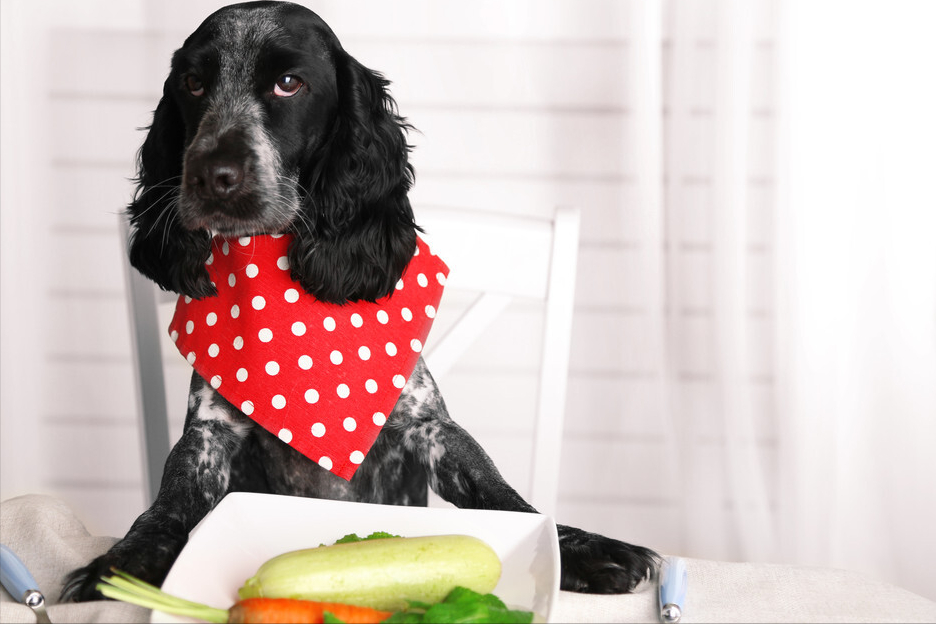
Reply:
x=217, y=180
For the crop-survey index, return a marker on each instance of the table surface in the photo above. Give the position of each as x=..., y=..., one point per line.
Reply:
x=51, y=540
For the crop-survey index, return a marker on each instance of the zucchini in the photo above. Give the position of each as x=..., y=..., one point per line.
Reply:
x=381, y=574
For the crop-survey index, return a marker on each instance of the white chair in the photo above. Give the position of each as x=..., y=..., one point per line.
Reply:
x=495, y=259
x=144, y=299
x=501, y=259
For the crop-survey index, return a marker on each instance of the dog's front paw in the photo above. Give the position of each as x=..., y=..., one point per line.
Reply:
x=595, y=564
x=80, y=585
x=150, y=564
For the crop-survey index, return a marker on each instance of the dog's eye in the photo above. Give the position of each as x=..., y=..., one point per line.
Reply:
x=195, y=86
x=287, y=86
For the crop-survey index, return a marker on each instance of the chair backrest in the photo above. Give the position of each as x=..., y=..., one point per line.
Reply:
x=502, y=259
x=495, y=259
x=145, y=337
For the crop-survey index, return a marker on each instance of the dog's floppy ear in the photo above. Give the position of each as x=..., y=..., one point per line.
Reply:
x=359, y=232
x=160, y=248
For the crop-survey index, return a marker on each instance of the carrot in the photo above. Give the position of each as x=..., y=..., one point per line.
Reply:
x=277, y=610
x=130, y=589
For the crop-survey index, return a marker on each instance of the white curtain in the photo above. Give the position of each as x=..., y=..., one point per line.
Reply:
x=857, y=287
x=698, y=253
x=792, y=248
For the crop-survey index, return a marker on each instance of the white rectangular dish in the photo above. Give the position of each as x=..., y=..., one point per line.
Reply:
x=246, y=529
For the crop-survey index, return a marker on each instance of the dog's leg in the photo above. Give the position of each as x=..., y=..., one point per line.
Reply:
x=462, y=473
x=196, y=477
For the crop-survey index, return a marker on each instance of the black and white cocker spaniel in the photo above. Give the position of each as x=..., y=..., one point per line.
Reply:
x=267, y=127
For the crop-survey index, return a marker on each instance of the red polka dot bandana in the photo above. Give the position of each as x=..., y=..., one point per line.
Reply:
x=322, y=377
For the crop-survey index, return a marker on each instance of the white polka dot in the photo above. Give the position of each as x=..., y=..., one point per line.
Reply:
x=235, y=311
x=252, y=270
x=318, y=430
x=399, y=381
x=265, y=334
x=364, y=353
x=298, y=328
x=356, y=457
x=349, y=424
x=415, y=345
x=190, y=357
x=225, y=248
x=391, y=349
x=325, y=462
x=356, y=320
x=305, y=362
x=188, y=299
x=189, y=327
x=232, y=280
x=441, y=278
x=214, y=350
x=371, y=386
x=174, y=335
x=407, y=314
x=216, y=382
x=247, y=407
x=241, y=374
x=272, y=368
x=430, y=311
x=238, y=343
x=311, y=395
x=243, y=241
x=336, y=357
x=276, y=235
x=279, y=401
x=382, y=317
x=344, y=391
x=282, y=263
x=329, y=324
x=422, y=280
x=285, y=435
x=291, y=295
x=379, y=419
x=258, y=302
x=399, y=285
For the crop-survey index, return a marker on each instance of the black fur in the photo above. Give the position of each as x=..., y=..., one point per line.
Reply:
x=235, y=148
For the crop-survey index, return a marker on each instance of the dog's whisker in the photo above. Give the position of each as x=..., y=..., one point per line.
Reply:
x=158, y=203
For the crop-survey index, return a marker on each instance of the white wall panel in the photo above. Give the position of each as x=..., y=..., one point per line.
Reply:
x=101, y=388
x=519, y=143
x=521, y=106
x=96, y=275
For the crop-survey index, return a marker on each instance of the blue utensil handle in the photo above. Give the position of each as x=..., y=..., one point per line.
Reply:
x=674, y=581
x=14, y=575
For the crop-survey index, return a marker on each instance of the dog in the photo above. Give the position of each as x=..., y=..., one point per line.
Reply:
x=266, y=126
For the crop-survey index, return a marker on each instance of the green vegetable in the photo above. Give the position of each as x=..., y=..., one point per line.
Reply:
x=462, y=605
x=350, y=538
x=386, y=574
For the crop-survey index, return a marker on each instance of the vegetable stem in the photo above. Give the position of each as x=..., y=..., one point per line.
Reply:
x=130, y=589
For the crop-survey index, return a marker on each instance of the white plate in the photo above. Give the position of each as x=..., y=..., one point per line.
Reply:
x=245, y=530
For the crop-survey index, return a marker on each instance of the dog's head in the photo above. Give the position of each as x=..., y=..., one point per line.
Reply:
x=266, y=125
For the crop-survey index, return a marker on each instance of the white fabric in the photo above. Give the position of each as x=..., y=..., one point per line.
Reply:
x=51, y=540
x=713, y=154
x=858, y=291
x=836, y=467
